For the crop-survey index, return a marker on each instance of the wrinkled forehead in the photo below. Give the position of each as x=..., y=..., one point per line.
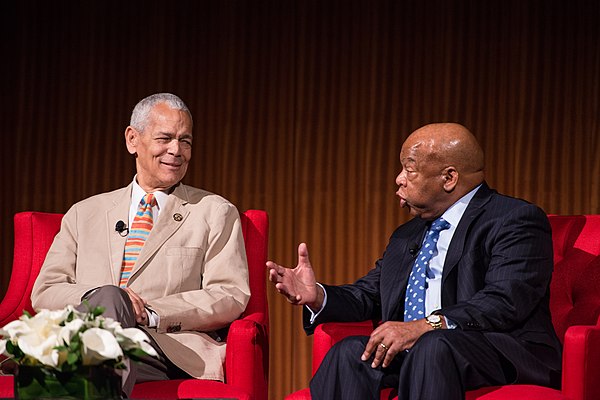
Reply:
x=415, y=150
x=162, y=114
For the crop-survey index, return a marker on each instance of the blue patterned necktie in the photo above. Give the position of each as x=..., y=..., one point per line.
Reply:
x=414, y=302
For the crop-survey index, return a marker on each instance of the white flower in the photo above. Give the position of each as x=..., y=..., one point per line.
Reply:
x=111, y=325
x=40, y=347
x=132, y=338
x=3, y=347
x=15, y=328
x=66, y=332
x=99, y=345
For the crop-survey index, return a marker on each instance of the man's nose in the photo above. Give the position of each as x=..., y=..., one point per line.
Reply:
x=400, y=179
x=174, y=147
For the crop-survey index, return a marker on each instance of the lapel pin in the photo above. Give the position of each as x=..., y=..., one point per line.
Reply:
x=177, y=217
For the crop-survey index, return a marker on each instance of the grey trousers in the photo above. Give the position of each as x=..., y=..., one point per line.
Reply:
x=118, y=306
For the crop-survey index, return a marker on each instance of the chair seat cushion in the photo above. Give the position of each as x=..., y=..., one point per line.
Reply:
x=185, y=389
x=513, y=392
x=516, y=392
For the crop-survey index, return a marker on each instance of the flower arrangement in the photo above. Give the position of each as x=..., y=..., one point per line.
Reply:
x=67, y=339
x=65, y=342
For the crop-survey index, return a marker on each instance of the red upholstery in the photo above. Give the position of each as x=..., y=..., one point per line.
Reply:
x=247, y=358
x=575, y=307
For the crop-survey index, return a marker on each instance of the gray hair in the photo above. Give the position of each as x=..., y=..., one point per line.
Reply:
x=141, y=111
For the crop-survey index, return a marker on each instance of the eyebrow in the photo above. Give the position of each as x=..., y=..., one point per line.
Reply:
x=171, y=134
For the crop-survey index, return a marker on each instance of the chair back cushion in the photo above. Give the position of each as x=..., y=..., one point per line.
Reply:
x=34, y=233
x=575, y=286
x=255, y=228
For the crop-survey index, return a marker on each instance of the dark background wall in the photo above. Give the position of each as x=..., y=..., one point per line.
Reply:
x=300, y=108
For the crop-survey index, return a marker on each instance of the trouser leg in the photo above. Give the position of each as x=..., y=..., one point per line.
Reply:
x=344, y=376
x=446, y=363
x=118, y=306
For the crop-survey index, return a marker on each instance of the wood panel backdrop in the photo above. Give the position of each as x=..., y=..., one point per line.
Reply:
x=300, y=109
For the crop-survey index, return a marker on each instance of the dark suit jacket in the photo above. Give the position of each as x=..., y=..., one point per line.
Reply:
x=495, y=280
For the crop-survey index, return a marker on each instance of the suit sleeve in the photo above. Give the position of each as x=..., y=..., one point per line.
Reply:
x=349, y=303
x=57, y=285
x=515, y=262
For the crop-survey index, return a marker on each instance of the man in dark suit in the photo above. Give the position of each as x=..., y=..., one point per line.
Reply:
x=478, y=317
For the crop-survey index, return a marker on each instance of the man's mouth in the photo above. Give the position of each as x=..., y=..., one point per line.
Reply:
x=171, y=165
x=403, y=202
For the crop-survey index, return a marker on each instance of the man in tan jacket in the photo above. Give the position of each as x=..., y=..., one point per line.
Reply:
x=190, y=278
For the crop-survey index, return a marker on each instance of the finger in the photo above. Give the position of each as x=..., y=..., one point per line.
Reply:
x=303, y=254
x=275, y=270
x=282, y=289
x=271, y=265
x=389, y=356
x=273, y=275
x=382, y=349
x=369, y=348
x=138, y=305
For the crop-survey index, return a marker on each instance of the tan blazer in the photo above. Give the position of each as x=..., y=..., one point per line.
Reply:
x=192, y=269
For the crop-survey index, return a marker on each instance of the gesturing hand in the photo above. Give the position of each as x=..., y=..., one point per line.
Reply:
x=298, y=285
x=392, y=337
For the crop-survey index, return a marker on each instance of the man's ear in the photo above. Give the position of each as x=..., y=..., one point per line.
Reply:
x=450, y=177
x=131, y=139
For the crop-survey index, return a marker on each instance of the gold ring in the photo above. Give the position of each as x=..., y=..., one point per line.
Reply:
x=383, y=346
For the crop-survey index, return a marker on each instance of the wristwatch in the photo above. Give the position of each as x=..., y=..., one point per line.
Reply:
x=435, y=320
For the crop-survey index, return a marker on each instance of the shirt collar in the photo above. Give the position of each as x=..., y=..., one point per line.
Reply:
x=137, y=194
x=456, y=210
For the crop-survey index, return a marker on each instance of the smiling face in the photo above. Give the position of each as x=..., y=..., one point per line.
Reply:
x=163, y=149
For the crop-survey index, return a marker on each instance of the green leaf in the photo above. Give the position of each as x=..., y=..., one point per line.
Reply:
x=72, y=358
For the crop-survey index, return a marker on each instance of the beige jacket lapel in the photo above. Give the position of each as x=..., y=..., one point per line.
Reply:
x=170, y=220
x=119, y=212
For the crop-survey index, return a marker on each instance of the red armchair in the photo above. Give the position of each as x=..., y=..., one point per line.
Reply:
x=575, y=307
x=247, y=358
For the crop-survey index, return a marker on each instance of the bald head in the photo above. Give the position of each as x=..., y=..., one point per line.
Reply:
x=441, y=163
x=451, y=144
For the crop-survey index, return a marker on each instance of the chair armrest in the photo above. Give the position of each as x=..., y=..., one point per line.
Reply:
x=34, y=233
x=247, y=357
x=581, y=357
x=328, y=334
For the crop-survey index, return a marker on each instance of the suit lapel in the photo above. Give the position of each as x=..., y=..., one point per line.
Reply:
x=457, y=245
x=170, y=220
x=119, y=212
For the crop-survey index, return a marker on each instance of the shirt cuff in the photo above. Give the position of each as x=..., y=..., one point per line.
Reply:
x=314, y=315
x=450, y=324
x=153, y=318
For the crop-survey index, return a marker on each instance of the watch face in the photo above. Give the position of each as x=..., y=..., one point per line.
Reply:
x=434, y=318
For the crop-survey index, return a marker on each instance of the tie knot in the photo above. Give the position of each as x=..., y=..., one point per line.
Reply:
x=439, y=225
x=148, y=199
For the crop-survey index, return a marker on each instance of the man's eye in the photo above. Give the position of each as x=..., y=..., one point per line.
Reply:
x=186, y=143
x=163, y=139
